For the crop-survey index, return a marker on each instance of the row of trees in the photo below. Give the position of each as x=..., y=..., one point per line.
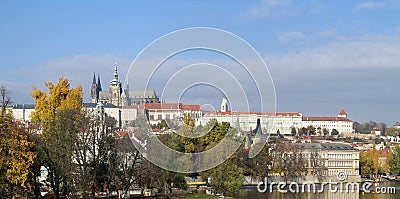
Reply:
x=81, y=154
x=370, y=163
x=284, y=159
x=311, y=130
x=77, y=150
x=367, y=127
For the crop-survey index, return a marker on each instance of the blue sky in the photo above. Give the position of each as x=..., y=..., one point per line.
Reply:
x=322, y=55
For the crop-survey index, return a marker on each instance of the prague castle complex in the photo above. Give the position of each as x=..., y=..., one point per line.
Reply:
x=123, y=104
x=119, y=96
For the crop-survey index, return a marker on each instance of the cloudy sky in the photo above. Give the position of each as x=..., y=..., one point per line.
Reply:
x=322, y=55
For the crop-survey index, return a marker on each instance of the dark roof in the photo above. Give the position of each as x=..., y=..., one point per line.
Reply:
x=324, y=146
x=24, y=106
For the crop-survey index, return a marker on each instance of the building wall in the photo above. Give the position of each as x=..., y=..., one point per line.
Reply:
x=22, y=114
x=335, y=161
x=157, y=115
x=341, y=161
x=248, y=121
x=115, y=95
x=344, y=127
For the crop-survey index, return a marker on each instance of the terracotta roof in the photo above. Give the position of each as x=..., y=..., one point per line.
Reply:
x=324, y=118
x=342, y=112
x=288, y=114
x=283, y=114
x=121, y=133
x=191, y=107
x=162, y=106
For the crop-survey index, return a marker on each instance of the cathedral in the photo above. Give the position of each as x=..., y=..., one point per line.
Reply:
x=119, y=96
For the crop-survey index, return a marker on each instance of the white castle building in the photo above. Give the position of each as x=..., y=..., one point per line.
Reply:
x=282, y=122
x=340, y=122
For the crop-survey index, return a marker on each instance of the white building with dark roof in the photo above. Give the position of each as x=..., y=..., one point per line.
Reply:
x=340, y=122
x=335, y=158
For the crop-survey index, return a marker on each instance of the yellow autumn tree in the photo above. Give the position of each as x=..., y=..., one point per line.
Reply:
x=374, y=155
x=16, y=156
x=59, y=111
x=61, y=97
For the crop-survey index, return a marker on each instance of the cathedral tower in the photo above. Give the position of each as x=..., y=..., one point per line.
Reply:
x=94, y=94
x=98, y=85
x=115, y=89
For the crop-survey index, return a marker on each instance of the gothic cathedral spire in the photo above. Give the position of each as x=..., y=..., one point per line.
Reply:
x=99, y=83
x=93, y=92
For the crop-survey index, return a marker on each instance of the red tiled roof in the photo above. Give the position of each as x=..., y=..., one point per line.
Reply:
x=121, y=133
x=191, y=107
x=342, y=112
x=288, y=114
x=283, y=114
x=324, y=118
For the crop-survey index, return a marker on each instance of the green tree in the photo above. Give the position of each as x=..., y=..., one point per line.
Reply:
x=226, y=177
x=393, y=161
x=334, y=132
x=325, y=131
x=293, y=131
x=311, y=130
x=392, y=131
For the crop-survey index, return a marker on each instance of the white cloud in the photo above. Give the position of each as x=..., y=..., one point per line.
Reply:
x=284, y=8
x=361, y=52
x=369, y=5
x=269, y=8
x=291, y=37
x=331, y=34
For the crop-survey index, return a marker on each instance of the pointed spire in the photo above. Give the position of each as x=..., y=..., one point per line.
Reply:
x=94, y=78
x=115, y=79
x=127, y=84
x=116, y=71
x=99, y=83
